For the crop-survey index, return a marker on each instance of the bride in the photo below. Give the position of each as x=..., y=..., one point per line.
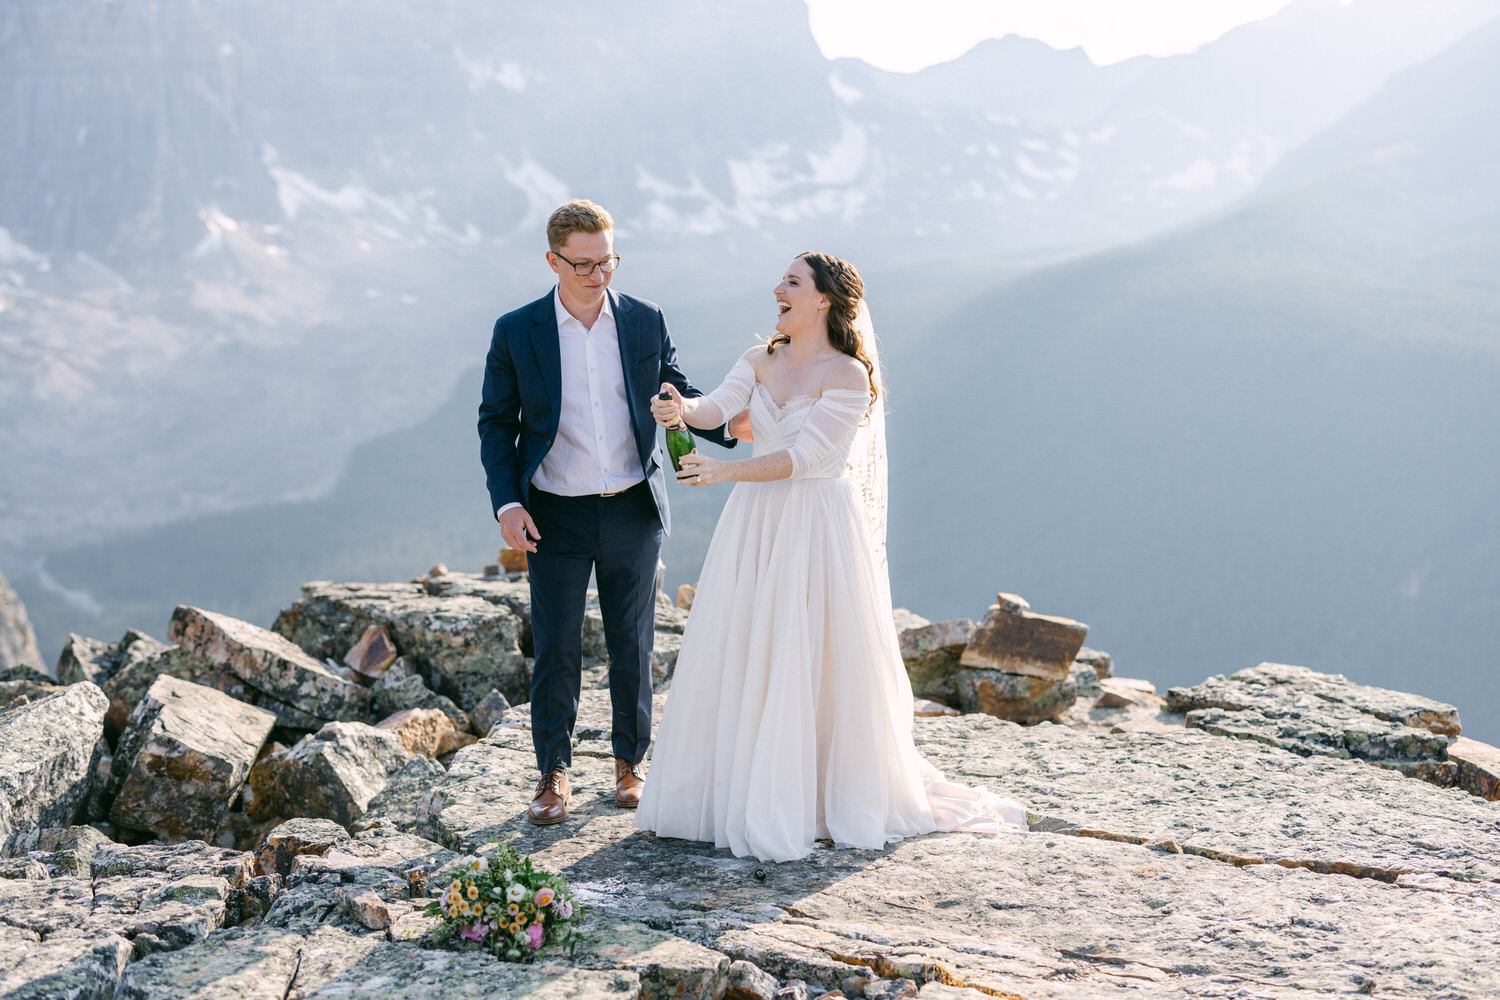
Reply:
x=790, y=715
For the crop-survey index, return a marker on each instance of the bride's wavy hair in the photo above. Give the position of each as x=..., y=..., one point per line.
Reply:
x=840, y=281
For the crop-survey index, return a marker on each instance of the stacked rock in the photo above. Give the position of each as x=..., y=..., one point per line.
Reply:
x=1017, y=663
x=1014, y=665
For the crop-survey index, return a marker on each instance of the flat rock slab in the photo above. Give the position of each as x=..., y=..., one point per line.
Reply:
x=76, y=966
x=405, y=970
x=72, y=936
x=1235, y=799
x=1106, y=896
x=238, y=964
x=183, y=758
x=1274, y=686
x=49, y=750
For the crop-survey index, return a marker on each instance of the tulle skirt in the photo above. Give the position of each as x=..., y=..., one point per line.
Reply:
x=790, y=714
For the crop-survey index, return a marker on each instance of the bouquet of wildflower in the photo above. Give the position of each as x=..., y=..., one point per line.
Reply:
x=505, y=906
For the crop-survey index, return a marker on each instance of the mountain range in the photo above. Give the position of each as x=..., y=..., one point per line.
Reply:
x=226, y=223
x=1199, y=350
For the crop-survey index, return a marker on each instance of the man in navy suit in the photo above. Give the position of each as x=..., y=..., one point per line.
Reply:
x=576, y=481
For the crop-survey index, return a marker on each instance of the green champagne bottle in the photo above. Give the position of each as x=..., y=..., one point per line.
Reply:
x=679, y=439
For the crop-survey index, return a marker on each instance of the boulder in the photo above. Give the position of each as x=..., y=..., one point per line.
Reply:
x=664, y=656
x=905, y=618
x=331, y=774
x=366, y=907
x=932, y=652
x=1478, y=767
x=400, y=689
x=125, y=670
x=1103, y=663
x=296, y=837
x=373, y=654
x=513, y=560
x=1014, y=640
x=140, y=660
x=85, y=659
x=300, y=690
x=490, y=710
x=182, y=759
x=22, y=683
x=48, y=755
x=1125, y=692
x=17, y=640
x=62, y=851
x=1311, y=713
x=745, y=981
x=924, y=709
x=1014, y=697
x=400, y=802
x=425, y=731
x=462, y=633
x=1086, y=680
x=685, y=594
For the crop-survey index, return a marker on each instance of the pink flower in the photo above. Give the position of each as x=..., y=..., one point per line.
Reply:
x=534, y=936
x=474, y=932
x=544, y=897
x=563, y=908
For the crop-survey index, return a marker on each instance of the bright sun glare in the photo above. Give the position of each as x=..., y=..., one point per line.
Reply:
x=905, y=36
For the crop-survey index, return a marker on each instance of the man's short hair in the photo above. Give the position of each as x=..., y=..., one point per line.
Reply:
x=578, y=216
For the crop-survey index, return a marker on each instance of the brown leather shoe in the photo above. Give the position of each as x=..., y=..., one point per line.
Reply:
x=550, y=803
x=628, y=783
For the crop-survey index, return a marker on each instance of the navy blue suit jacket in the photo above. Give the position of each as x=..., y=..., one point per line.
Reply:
x=523, y=394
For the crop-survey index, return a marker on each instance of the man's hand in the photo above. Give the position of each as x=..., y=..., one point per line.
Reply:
x=667, y=412
x=739, y=427
x=519, y=530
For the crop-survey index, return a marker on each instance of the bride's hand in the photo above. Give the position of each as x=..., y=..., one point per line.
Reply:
x=700, y=470
x=667, y=412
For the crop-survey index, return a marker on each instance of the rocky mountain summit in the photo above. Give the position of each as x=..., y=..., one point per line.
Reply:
x=243, y=812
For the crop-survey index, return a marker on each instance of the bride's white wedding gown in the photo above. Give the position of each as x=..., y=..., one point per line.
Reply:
x=790, y=714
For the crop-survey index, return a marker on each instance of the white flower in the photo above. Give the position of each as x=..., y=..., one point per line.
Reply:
x=515, y=893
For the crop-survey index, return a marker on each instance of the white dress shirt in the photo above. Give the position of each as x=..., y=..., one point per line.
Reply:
x=594, y=450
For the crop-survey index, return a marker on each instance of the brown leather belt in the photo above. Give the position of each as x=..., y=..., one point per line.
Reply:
x=615, y=493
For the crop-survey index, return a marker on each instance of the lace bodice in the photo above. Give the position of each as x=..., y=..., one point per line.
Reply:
x=817, y=431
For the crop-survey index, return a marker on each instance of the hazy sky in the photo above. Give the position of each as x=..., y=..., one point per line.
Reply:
x=906, y=35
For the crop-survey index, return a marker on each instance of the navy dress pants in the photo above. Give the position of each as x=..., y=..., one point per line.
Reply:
x=618, y=538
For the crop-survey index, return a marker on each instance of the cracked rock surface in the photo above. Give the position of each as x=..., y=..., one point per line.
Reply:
x=1169, y=862
x=1164, y=864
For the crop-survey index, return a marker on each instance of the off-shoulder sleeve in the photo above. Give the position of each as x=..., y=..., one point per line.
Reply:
x=831, y=421
x=733, y=394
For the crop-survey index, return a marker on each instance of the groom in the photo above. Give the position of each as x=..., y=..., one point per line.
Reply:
x=575, y=480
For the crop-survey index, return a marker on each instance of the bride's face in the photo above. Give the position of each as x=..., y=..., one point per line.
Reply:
x=800, y=306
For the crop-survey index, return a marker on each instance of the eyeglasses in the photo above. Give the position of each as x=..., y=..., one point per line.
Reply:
x=584, y=268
